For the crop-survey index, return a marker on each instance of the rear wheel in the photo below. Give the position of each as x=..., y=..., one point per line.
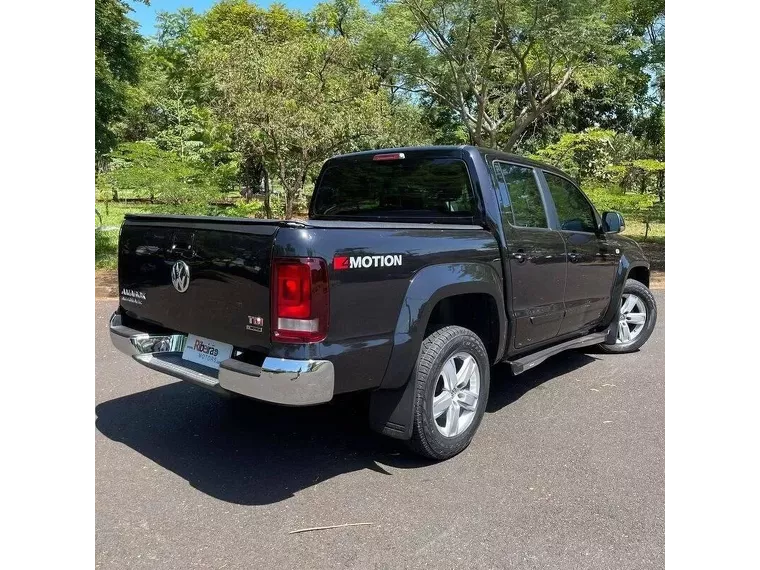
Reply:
x=452, y=378
x=636, y=320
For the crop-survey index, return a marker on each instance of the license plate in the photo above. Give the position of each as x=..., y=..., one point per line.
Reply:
x=206, y=351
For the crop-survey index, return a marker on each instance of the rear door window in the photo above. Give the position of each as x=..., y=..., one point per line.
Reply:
x=523, y=195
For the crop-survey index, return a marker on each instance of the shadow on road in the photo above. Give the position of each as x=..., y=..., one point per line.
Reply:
x=506, y=389
x=252, y=453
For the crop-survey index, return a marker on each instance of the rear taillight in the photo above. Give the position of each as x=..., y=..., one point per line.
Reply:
x=300, y=299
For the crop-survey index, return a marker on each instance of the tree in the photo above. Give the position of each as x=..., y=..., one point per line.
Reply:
x=295, y=104
x=158, y=175
x=170, y=107
x=226, y=24
x=117, y=45
x=500, y=65
x=588, y=154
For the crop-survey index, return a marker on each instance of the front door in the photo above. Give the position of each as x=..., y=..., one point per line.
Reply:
x=591, y=260
x=536, y=256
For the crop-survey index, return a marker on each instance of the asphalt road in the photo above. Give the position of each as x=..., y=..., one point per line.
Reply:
x=566, y=471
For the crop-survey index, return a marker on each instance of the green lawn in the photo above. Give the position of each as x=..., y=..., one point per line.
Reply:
x=113, y=214
x=636, y=230
x=105, y=249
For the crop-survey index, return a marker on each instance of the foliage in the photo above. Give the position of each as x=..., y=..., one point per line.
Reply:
x=251, y=209
x=158, y=175
x=606, y=198
x=605, y=157
x=293, y=102
x=588, y=154
x=117, y=46
x=501, y=65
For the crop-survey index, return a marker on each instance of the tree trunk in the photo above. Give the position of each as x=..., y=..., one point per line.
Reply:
x=252, y=174
x=661, y=185
x=521, y=124
x=290, y=199
x=288, y=206
x=267, y=196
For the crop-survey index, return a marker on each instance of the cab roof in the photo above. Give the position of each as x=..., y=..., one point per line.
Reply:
x=469, y=149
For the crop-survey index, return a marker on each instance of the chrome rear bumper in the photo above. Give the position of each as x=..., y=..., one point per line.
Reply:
x=278, y=380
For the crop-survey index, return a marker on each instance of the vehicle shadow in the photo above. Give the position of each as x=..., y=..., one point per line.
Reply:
x=246, y=452
x=506, y=388
x=252, y=453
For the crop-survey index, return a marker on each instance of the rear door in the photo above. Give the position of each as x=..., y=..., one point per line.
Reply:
x=591, y=260
x=536, y=255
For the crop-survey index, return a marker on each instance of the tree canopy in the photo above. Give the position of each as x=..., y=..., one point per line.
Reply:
x=252, y=99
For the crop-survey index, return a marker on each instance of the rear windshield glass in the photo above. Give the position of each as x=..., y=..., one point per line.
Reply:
x=405, y=188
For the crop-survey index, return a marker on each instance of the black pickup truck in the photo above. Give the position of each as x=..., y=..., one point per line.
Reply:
x=417, y=270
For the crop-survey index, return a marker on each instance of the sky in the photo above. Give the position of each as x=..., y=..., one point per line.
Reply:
x=146, y=15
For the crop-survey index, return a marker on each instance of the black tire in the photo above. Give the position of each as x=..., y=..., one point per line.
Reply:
x=640, y=290
x=436, y=350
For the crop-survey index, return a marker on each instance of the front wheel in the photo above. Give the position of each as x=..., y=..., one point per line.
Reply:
x=452, y=378
x=636, y=320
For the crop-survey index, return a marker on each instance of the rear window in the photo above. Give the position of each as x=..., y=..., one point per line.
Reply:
x=406, y=188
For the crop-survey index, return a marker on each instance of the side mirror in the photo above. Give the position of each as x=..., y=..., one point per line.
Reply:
x=613, y=222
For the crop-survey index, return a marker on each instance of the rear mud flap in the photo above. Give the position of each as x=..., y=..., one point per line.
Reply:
x=390, y=411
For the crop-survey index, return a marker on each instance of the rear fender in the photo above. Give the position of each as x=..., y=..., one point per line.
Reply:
x=392, y=404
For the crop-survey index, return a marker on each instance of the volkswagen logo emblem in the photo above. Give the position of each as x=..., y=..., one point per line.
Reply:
x=181, y=276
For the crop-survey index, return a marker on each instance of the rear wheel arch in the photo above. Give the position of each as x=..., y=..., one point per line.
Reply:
x=430, y=287
x=477, y=312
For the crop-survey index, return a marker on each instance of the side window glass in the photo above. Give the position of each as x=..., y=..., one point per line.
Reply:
x=524, y=195
x=574, y=211
x=501, y=189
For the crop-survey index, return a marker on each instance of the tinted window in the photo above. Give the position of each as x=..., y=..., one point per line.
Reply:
x=406, y=188
x=522, y=194
x=574, y=211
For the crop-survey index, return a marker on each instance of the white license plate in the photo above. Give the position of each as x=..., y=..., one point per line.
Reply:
x=206, y=351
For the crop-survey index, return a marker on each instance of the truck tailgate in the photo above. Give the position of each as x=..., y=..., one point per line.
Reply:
x=205, y=276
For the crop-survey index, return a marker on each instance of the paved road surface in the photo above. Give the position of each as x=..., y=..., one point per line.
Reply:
x=567, y=471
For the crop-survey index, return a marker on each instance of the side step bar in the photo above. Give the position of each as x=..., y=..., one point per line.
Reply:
x=527, y=362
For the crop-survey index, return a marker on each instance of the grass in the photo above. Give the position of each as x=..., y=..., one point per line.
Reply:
x=113, y=213
x=105, y=249
x=653, y=245
x=636, y=230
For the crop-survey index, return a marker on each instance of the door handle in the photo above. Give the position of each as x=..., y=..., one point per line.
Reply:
x=520, y=256
x=574, y=257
